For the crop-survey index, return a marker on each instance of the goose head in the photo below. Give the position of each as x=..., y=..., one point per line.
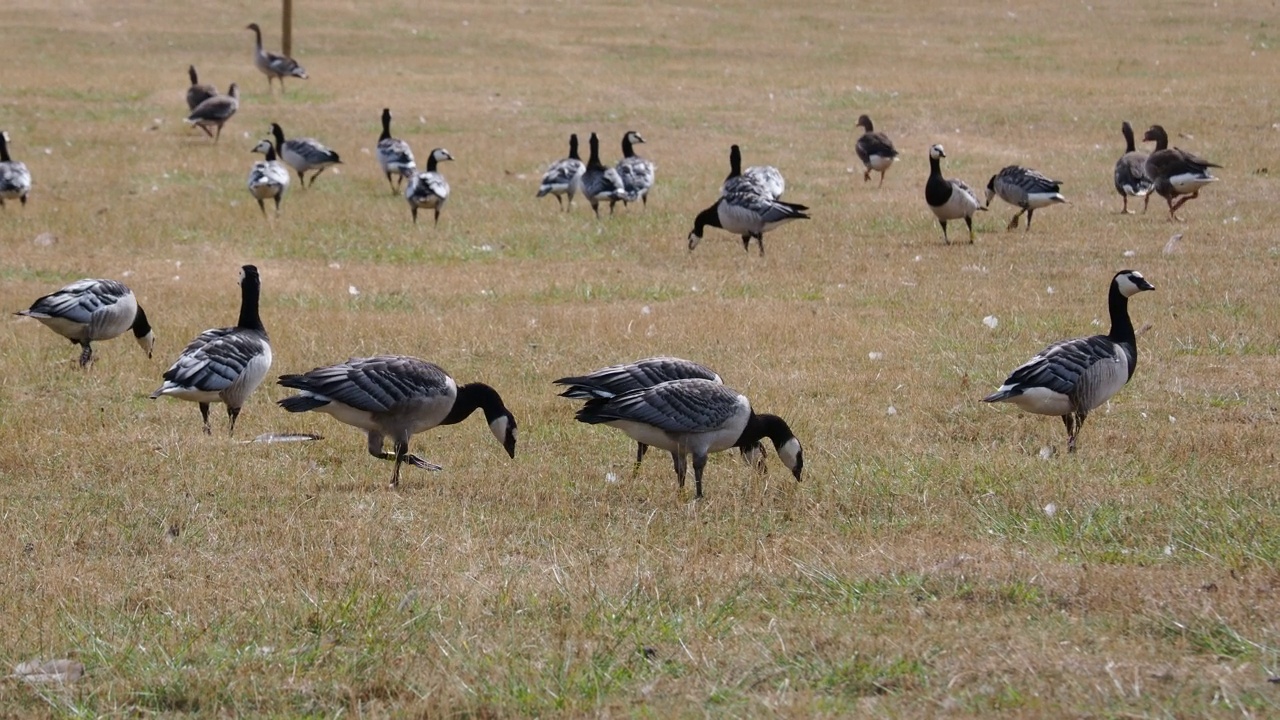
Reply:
x=864, y=122
x=264, y=146
x=936, y=152
x=1131, y=282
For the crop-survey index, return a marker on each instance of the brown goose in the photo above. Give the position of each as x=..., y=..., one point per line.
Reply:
x=1174, y=171
x=1131, y=172
x=198, y=92
x=273, y=65
x=216, y=111
x=875, y=150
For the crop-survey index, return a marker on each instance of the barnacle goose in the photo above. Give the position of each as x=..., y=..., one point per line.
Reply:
x=636, y=172
x=949, y=199
x=396, y=397
x=1072, y=377
x=693, y=417
x=600, y=182
x=216, y=111
x=273, y=65
x=88, y=310
x=564, y=177
x=304, y=155
x=745, y=209
x=1175, y=172
x=224, y=365
x=874, y=149
x=395, y=157
x=268, y=178
x=198, y=92
x=429, y=189
x=1023, y=188
x=1131, y=172
x=766, y=178
x=15, y=178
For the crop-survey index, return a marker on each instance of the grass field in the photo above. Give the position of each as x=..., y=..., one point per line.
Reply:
x=930, y=563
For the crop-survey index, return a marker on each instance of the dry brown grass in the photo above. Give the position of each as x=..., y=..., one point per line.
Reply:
x=913, y=573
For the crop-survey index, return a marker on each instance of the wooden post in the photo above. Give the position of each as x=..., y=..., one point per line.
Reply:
x=287, y=29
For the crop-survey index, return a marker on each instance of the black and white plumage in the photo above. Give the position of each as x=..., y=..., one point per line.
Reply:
x=1174, y=171
x=1131, y=172
x=216, y=111
x=1025, y=189
x=766, y=178
x=15, y=178
x=874, y=149
x=395, y=157
x=949, y=199
x=1072, y=377
x=198, y=92
x=274, y=65
x=693, y=417
x=746, y=209
x=304, y=155
x=395, y=397
x=636, y=172
x=226, y=364
x=564, y=177
x=268, y=178
x=429, y=189
x=90, y=309
x=601, y=183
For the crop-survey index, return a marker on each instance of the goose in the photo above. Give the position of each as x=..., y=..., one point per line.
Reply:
x=1131, y=172
x=765, y=177
x=394, y=155
x=1025, y=189
x=216, y=111
x=304, y=155
x=15, y=178
x=397, y=397
x=693, y=417
x=224, y=365
x=198, y=92
x=874, y=149
x=273, y=65
x=429, y=189
x=949, y=199
x=1175, y=172
x=268, y=178
x=1072, y=377
x=745, y=209
x=600, y=182
x=93, y=309
x=636, y=172
x=564, y=177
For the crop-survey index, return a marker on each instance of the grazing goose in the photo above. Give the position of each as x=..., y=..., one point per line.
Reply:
x=600, y=182
x=1025, y=189
x=564, y=177
x=693, y=416
x=745, y=209
x=636, y=172
x=765, y=177
x=1175, y=172
x=88, y=310
x=874, y=149
x=394, y=155
x=198, y=92
x=273, y=65
x=1131, y=172
x=397, y=397
x=949, y=199
x=429, y=189
x=15, y=178
x=268, y=178
x=304, y=155
x=224, y=365
x=216, y=111
x=1071, y=377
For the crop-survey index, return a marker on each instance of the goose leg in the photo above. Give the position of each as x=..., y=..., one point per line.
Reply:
x=205, y=129
x=1013, y=222
x=414, y=208
x=234, y=414
x=881, y=179
x=391, y=184
x=969, y=221
x=1145, y=199
x=1029, y=212
x=641, y=449
x=204, y=413
x=699, y=462
x=277, y=198
x=1125, y=210
x=596, y=207
x=678, y=459
x=746, y=243
x=945, y=239
x=644, y=201
x=86, y=355
x=219, y=133
x=436, y=221
x=866, y=176
x=559, y=202
x=313, y=177
x=760, y=242
x=263, y=208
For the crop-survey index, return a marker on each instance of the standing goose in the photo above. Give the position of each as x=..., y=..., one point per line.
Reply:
x=273, y=65
x=1025, y=189
x=1131, y=172
x=693, y=417
x=15, y=178
x=874, y=149
x=88, y=310
x=600, y=182
x=636, y=172
x=224, y=365
x=429, y=189
x=198, y=92
x=394, y=155
x=564, y=177
x=949, y=199
x=1071, y=377
x=216, y=111
x=766, y=178
x=268, y=178
x=304, y=155
x=397, y=397
x=745, y=209
x=1175, y=172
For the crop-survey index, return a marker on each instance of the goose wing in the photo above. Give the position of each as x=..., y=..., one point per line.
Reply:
x=282, y=65
x=768, y=178
x=563, y=172
x=963, y=187
x=216, y=359
x=1063, y=366
x=636, y=174
x=618, y=379
x=311, y=150
x=677, y=406
x=1028, y=181
x=375, y=384
x=874, y=143
x=396, y=155
x=218, y=107
x=428, y=185
x=14, y=177
x=78, y=301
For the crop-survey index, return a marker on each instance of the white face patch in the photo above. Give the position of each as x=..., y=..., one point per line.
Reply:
x=789, y=451
x=147, y=342
x=936, y=152
x=499, y=429
x=1127, y=287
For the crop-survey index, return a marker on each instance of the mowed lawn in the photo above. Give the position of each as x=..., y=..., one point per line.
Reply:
x=941, y=557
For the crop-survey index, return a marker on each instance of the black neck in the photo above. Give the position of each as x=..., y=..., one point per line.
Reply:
x=735, y=163
x=1161, y=138
x=386, y=126
x=140, y=325
x=191, y=72
x=866, y=124
x=593, y=161
x=271, y=152
x=710, y=216
x=1121, y=325
x=472, y=397
x=627, y=150
x=279, y=136
x=257, y=34
x=764, y=426
x=431, y=162
x=573, y=148
x=4, y=149
x=1129, y=145
x=935, y=167
x=249, y=318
